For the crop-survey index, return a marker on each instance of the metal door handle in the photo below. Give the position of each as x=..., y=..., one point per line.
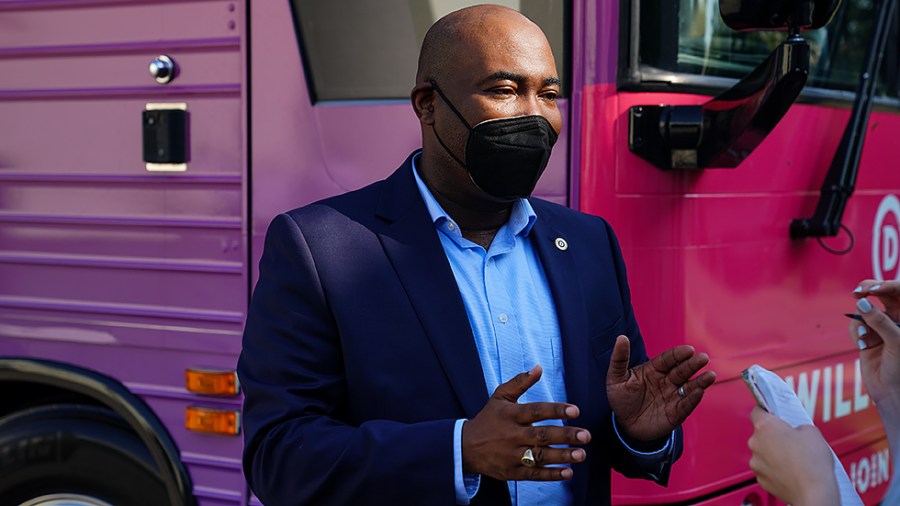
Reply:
x=162, y=69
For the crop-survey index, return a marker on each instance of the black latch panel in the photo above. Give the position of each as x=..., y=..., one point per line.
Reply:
x=165, y=136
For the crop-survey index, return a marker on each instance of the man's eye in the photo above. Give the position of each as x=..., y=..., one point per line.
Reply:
x=503, y=91
x=550, y=97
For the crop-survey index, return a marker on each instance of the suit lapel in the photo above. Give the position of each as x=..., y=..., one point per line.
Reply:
x=568, y=296
x=414, y=249
x=565, y=286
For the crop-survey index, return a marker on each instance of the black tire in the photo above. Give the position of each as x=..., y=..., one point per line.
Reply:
x=78, y=450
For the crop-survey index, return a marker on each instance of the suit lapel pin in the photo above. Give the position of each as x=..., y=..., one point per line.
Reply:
x=561, y=244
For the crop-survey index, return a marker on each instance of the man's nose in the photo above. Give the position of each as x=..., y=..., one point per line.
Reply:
x=531, y=105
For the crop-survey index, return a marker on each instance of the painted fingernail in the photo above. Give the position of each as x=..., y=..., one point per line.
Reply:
x=861, y=331
x=571, y=411
x=876, y=287
x=858, y=289
x=861, y=344
x=864, y=305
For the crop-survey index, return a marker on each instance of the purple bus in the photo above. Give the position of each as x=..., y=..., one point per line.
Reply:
x=145, y=145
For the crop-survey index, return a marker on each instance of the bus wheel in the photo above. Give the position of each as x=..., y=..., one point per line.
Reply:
x=65, y=500
x=75, y=454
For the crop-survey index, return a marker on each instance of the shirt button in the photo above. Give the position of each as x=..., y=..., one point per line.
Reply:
x=451, y=226
x=503, y=318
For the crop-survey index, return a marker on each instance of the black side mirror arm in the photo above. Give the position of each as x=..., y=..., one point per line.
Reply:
x=724, y=131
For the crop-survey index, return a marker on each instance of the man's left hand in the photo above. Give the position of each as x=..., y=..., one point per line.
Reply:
x=655, y=397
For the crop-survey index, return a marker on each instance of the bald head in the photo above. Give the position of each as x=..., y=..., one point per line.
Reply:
x=468, y=33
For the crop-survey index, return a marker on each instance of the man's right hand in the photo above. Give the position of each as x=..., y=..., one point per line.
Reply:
x=494, y=442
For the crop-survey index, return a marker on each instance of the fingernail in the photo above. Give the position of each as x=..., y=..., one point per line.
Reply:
x=571, y=411
x=566, y=473
x=578, y=454
x=861, y=344
x=876, y=287
x=861, y=331
x=582, y=436
x=858, y=289
x=864, y=305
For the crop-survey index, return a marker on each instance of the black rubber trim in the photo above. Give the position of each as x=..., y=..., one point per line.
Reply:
x=114, y=395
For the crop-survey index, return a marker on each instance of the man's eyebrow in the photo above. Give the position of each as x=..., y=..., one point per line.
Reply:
x=504, y=75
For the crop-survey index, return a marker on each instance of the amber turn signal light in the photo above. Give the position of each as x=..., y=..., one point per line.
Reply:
x=209, y=382
x=212, y=421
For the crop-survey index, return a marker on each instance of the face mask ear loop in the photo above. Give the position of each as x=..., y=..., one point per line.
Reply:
x=438, y=137
x=441, y=141
x=450, y=104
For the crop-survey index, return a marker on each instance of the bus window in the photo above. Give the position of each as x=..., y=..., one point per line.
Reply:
x=681, y=41
x=359, y=49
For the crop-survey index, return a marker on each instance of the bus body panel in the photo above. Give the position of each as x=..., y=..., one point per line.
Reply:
x=711, y=264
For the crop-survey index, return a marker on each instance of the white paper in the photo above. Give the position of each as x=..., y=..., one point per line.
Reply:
x=782, y=402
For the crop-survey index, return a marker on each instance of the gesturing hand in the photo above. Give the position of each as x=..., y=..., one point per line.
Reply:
x=654, y=398
x=494, y=442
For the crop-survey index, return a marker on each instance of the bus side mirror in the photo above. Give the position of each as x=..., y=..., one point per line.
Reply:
x=725, y=130
x=746, y=15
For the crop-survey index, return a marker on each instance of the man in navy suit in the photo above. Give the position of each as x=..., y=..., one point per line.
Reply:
x=438, y=337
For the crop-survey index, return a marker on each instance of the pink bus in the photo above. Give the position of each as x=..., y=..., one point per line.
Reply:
x=145, y=145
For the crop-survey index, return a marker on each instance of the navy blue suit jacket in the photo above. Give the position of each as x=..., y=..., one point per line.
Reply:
x=358, y=355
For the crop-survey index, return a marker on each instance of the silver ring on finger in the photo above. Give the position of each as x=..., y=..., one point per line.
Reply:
x=681, y=392
x=528, y=458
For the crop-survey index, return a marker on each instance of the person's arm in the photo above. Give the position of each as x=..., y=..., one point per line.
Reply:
x=794, y=465
x=299, y=448
x=648, y=459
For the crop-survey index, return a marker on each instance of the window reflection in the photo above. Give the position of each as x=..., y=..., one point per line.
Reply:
x=690, y=37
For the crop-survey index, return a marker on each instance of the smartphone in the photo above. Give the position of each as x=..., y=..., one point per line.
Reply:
x=750, y=380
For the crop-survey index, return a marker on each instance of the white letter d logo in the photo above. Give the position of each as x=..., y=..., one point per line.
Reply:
x=886, y=239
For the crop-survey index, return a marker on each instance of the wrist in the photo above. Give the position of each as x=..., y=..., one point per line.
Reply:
x=821, y=490
x=889, y=409
x=651, y=446
x=640, y=444
x=819, y=497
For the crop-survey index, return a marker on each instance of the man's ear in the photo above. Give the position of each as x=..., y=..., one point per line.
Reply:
x=422, y=98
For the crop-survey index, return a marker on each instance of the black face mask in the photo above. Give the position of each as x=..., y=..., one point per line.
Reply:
x=505, y=157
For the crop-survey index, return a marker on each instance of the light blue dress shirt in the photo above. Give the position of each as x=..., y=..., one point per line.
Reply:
x=514, y=321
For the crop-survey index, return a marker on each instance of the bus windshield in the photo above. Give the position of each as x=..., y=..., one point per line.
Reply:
x=689, y=37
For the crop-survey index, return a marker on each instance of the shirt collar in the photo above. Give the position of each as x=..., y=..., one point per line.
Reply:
x=521, y=217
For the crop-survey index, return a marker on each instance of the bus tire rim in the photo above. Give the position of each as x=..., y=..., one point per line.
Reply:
x=65, y=500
